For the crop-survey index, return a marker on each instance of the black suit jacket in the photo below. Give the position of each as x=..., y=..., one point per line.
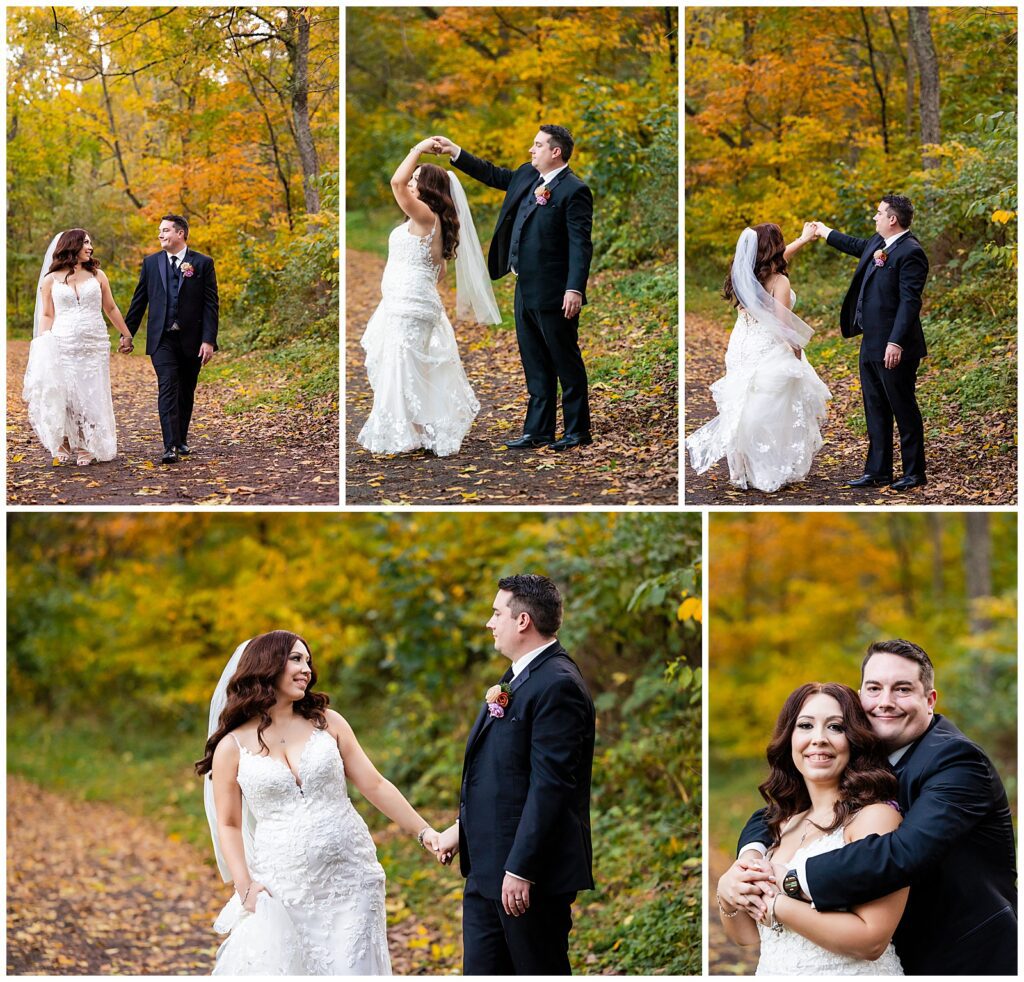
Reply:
x=955, y=849
x=891, y=310
x=198, y=304
x=554, y=248
x=525, y=801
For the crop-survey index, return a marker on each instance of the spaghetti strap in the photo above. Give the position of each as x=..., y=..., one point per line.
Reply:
x=237, y=742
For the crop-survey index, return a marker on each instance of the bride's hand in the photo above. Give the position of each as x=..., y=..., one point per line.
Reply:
x=429, y=145
x=255, y=889
x=810, y=232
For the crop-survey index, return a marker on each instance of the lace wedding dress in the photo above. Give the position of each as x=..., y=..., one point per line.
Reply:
x=421, y=396
x=771, y=406
x=789, y=953
x=67, y=383
x=313, y=852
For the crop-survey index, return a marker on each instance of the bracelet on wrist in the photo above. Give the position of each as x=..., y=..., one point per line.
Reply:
x=721, y=908
x=422, y=832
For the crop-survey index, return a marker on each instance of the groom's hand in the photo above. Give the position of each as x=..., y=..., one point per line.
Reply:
x=205, y=352
x=447, y=845
x=515, y=895
x=743, y=885
x=444, y=146
x=571, y=304
x=893, y=354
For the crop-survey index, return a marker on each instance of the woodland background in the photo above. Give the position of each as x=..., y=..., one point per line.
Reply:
x=795, y=114
x=119, y=626
x=227, y=115
x=487, y=77
x=798, y=598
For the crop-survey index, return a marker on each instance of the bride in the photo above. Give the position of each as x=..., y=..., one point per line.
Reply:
x=309, y=891
x=829, y=784
x=771, y=403
x=67, y=382
x=421, y=396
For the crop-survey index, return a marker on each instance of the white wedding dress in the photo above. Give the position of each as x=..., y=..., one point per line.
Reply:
x=771, y=406
x=421, y=396
x=313, y=852
x=789, y=953
x=67, y=383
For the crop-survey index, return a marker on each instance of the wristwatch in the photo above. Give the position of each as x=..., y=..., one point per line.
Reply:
x=791, y=885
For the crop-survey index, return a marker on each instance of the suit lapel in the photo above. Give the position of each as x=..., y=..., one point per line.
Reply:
x=484, y=719
x=551, y=185
x=163, y=262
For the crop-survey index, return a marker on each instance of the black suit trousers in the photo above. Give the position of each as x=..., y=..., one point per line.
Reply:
x=889, y=395
x=550, y=352
x=177, y=375
x=535, y=943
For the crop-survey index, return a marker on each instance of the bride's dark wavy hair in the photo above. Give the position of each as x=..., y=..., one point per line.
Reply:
x=770, y=259
x=867, y=779
x=436, y=193
x=65, y=253
x=251, y=693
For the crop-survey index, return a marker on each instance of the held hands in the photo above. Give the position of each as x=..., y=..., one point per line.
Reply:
x=447, y=845
x=443, y=146
x=749, y=884
x=125, y=346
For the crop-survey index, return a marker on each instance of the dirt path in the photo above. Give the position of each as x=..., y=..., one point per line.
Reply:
x=254, y=458
x=94, y=891
x=633, y=460
x=960, y=469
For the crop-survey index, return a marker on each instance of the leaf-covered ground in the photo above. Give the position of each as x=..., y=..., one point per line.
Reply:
x=256, y=457
x=965, y=466
x=92, y=890
x=633, y=460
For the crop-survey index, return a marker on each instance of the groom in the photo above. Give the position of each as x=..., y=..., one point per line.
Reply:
x=179, y=286
x=884, y=304
x=955, y=848
x=543, y=236
x=523, y=832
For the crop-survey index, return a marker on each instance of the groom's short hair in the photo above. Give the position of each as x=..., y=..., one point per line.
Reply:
x=178, y=221
x=900, y=206
x=905, y=649
x=538, y=597
x=559, y=136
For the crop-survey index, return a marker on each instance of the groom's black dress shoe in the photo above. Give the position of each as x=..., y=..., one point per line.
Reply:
x=170, y=456
x=867, y=481
x=184, y=449
x=571, y=440
x=530, y=442
x=908, y=481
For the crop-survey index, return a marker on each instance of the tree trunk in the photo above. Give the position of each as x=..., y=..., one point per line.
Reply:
x=879, y=87
x=928, y=69
x=978, y=568
x=297, y=44
x=900, y=534
x=938, y=563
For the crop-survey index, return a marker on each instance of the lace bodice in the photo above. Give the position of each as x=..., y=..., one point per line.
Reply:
x=410, y=276
x=83, y=299
x=789, y=953
x=315, y=855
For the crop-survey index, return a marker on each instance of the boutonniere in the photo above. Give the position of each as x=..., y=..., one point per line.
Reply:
x=880, y=257
x=497, y=698
x=187, y=269
x=542, y=196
